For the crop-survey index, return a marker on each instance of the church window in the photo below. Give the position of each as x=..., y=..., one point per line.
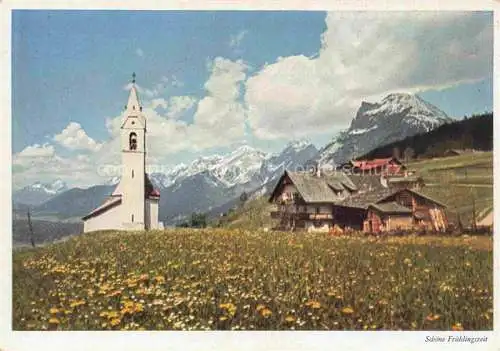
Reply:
x=132, y=218
x=132, y=140
x=132, y=173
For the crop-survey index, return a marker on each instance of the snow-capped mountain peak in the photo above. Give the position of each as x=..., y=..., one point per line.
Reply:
x=400, y=102
x=395, y=117
x=50, y=188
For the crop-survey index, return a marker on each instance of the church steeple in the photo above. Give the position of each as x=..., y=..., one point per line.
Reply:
x=133, y=103
x=133, y=140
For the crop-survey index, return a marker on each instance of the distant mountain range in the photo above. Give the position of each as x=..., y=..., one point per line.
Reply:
x=38, y=193
x=204, y=184
x=214, y=184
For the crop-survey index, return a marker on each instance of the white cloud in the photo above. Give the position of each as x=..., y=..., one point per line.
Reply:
x=236, y=39
x=41, y=163
x=148, y=93
x=74, y=137
x=139, y=52
x=363, y=56
x=36, y=151
x=218, y=119
x=179, y=104
x=159, y=102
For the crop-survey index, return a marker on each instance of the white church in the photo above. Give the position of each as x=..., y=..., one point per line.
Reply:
x=134, y=204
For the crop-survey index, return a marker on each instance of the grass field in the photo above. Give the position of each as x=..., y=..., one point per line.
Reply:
x=243, y=280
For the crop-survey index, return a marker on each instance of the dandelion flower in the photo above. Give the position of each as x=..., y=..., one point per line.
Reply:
x=433, y=317
x=260, y=307
x=266, y=312
x=457, y=327
x=347, y=310
x=313, y=304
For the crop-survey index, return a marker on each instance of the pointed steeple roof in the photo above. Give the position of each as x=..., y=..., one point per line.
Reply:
x=133, y=103
x=134, y=107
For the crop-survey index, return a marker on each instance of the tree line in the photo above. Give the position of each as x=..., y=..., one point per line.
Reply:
x=475, y=132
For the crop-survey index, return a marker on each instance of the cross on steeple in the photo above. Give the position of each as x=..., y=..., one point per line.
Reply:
x=133, y=77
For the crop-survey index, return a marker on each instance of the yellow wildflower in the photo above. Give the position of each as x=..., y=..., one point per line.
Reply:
x=433, y=317
x=313, y=304
x=229, y=307
x=260, y=307
x=266, y=312
x=160, y=279
x=347, y=310
x=115, y=321
x=77, y=303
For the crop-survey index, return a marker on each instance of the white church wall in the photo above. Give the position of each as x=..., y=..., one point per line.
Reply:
x=153, y=213
x=133, y=184
x=111, y=219
x=148, y=214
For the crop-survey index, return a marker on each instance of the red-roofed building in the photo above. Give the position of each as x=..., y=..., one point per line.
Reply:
x=389, y=165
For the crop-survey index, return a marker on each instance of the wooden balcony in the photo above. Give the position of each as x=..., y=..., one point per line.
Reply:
x=317, y=216
x=302, y=215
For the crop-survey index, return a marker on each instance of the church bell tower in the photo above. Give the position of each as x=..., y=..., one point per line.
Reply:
x=133, y=142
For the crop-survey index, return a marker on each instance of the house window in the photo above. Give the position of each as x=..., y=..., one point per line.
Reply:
x=317, y=210
x=132, y=218
x=132, y=141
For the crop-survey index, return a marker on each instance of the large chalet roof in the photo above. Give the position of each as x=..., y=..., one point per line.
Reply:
x=314, y=189
x=324, y=188
x=364, y=190
x=365, y=199
x=366, y=182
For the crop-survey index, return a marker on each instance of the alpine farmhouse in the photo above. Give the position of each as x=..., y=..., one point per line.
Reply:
x=134, y=203
x=364, y=201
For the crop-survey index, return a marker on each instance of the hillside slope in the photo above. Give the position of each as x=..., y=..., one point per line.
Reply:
x=472, y=133
x=462, y=182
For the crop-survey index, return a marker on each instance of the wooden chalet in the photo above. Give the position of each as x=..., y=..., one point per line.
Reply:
x=370, y=203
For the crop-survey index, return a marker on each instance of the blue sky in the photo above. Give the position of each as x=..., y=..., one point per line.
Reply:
x=215, y=80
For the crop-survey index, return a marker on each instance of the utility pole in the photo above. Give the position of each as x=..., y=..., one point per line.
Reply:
x=32, y=236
